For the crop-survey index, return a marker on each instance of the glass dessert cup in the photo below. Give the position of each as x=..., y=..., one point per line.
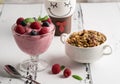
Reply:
x=33, y=46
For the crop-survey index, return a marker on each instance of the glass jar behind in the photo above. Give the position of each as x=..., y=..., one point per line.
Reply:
x=60, y=12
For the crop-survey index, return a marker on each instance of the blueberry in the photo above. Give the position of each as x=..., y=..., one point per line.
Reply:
x=33, y=33
x=46, y=24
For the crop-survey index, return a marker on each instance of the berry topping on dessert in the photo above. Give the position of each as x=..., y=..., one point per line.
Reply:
x=20, y=29
x=34, y=26
x=33, y=32
x=19, y=20
x=44, y=30
x=46, y=24
x=49, y=20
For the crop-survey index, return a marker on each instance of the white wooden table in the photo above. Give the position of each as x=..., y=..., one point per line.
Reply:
x=104, y=17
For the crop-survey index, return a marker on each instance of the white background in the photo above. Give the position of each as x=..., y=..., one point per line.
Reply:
x=36, y=1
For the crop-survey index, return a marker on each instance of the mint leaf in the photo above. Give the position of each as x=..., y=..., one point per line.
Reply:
x=62, y=67
x=29, y=20
x=77, y=77
x=45, y=18
x=39, y=18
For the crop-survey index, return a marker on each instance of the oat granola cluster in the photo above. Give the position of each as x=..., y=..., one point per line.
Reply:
x=86, y=38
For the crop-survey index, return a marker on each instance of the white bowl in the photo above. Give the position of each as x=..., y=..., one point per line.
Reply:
x=84, y=55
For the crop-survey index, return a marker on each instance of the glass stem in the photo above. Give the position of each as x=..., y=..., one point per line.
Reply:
x=34, y=66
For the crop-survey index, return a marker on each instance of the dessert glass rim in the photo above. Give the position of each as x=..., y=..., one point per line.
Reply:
x=32, y=35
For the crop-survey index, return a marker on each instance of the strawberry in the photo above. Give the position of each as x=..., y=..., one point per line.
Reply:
x=19, y=20
x=56, y=68
x=67, y=72
x=44, y=30
x=35, y=25
x=20, y=29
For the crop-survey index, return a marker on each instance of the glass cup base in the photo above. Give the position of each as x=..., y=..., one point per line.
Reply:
x=40, y=65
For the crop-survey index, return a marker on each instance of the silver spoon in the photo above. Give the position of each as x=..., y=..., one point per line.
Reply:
x=13, y=72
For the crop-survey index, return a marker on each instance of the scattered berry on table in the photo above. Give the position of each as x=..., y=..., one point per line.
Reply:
x=56, y=68
x=67, y=72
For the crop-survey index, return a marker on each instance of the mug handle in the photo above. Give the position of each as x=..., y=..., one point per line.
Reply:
x=63, y=37
x=107, y=53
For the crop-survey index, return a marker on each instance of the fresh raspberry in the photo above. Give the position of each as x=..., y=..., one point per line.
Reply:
x=49, y=20
x=19, y=20
x=56, y=68
x=67, y=72
x=44, y=30
x=35, y=25
x=20, y=29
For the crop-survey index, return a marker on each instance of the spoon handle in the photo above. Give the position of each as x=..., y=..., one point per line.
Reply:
x=13, y=72
x=31, y=80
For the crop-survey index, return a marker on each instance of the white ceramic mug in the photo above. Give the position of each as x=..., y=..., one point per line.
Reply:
x=85, y=55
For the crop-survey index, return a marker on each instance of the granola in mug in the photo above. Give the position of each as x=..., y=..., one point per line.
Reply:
x=86, y=38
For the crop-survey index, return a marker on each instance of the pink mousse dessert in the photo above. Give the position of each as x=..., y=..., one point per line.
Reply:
x=33, y=35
